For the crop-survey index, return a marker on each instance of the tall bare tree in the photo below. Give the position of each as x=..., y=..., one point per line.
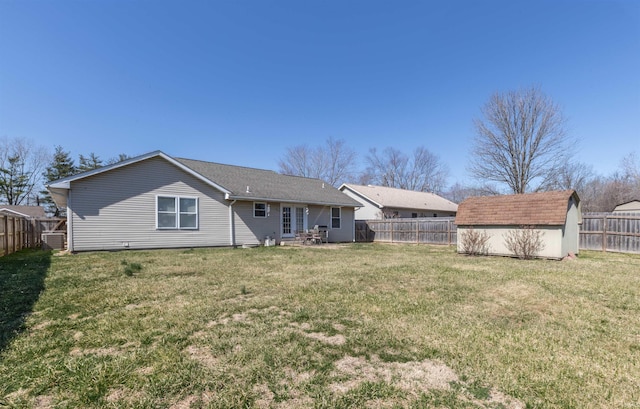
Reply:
x=423, y=171
x=333, y=162
x=21, y=164
x=520, y=141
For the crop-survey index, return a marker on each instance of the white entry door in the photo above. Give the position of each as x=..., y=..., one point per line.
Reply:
x=294, y=219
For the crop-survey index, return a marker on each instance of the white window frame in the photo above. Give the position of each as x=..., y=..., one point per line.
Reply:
x=265, y=210
x=339, y=218
x=178, y=212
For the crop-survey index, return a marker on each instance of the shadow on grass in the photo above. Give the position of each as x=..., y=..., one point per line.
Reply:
x=22, y=277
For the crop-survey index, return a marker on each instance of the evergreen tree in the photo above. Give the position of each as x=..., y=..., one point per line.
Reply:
x=14, y=180
x=60, y=167
x=89, y=162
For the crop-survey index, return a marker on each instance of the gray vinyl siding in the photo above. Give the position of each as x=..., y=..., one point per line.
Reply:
x=251, y=229
x=321, y=215
x=110, y=209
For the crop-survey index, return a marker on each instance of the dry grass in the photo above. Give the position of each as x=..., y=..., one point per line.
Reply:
x=374, y=326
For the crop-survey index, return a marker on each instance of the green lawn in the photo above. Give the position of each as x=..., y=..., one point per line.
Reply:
x=363, y=325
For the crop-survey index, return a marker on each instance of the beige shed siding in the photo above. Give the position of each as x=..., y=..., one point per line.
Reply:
x=249, y=229
x=551, y=236
x=119, y=206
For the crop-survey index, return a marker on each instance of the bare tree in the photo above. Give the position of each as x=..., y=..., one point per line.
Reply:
x=458, y=192
x=603, y=194
x=333, y=162
x=423, y=171
x=520, y=141
x=21, y=164
x=571, y=175
x=630, y=165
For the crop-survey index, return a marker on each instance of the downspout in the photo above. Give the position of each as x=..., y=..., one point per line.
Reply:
x=69, y=223
x=232, y=230
x=353, y=228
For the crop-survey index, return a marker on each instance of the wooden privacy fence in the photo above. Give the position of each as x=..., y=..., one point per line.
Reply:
x=619, y=232
x=435, y=230
x=17, y=233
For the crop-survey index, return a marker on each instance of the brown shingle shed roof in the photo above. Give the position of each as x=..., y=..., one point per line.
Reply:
x=545, y=208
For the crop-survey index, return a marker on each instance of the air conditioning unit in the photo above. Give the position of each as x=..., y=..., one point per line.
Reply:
x=53, y=241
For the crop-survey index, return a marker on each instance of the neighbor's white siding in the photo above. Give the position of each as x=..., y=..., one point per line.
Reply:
x=112, y=209
x=408, y=213
x=369, y=210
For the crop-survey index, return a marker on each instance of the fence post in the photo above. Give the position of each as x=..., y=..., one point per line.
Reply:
x=5, y=243
x=604, y=233
x=449, y=230
x=15, y=236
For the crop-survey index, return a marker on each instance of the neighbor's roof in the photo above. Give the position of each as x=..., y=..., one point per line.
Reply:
x=235, y=182
x=390, y=197
x=545, y=208
x=258, y=184
x=36, y=212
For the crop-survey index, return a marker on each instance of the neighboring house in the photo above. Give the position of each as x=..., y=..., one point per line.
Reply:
x=27, y=212
x=556, y=214
x=631, y=206
x=156, y=201
x=381, y=202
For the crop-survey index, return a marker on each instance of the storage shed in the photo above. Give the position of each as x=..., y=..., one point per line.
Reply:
x=556, y=215
x=628, y=207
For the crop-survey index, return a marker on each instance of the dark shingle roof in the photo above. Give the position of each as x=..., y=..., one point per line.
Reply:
x=258, y=184
x=545, y=208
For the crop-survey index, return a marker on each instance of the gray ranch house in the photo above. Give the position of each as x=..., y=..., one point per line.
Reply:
x=157, y=201
x=380, y=202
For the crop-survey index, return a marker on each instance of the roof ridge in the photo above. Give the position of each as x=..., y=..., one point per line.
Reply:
x=227, y=164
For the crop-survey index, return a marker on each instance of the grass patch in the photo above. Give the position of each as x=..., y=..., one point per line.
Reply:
x=350, y=326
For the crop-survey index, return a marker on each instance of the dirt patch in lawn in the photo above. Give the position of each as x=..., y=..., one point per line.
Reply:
x=410, y=376
x=202, y=355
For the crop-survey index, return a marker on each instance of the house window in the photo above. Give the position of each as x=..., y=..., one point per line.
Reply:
x=177, y=212
x=335, y=218
x=259, y=209
x=414, y=215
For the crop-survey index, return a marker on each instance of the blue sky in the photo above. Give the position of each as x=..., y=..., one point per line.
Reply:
x=240, y=81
